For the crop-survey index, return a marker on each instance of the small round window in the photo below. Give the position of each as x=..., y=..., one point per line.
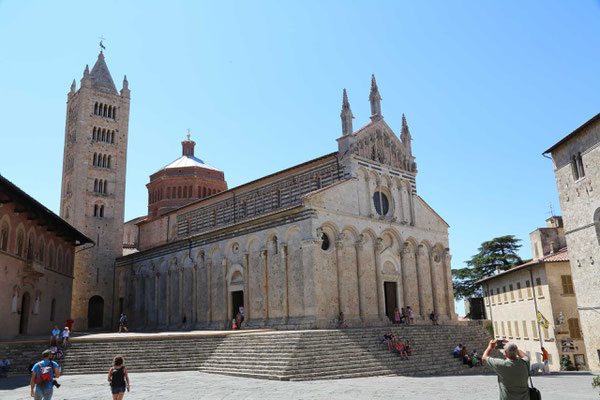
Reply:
x=381, y=202
x=325, y=242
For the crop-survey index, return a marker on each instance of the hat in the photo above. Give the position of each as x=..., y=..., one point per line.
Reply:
x=46, y=353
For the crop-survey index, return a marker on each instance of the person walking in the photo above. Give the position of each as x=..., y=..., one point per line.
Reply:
x=411, y=315
x=546, y=359
x=43, y=374
x=123, y=323
x=512, y=372
x=118, y=378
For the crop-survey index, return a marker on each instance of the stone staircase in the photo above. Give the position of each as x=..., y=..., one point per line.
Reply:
x=285, y=355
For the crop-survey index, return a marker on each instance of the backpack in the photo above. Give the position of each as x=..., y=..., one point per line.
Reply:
x=44, y=377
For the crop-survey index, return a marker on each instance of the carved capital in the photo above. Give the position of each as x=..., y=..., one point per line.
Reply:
x=378, y=243
x=360, y=242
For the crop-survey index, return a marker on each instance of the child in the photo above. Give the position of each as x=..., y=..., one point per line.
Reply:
x=234, y=324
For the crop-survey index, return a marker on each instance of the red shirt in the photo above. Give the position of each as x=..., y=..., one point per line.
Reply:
x=544, y=355
x=70, y=324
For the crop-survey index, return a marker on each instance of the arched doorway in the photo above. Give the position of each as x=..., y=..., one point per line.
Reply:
x=95, y=312
x=25, y=303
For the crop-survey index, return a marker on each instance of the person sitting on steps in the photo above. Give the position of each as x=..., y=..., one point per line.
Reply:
x=457, y=350
x=341, y=322
x=407, y=348
x=401, y=350
x=433, y=317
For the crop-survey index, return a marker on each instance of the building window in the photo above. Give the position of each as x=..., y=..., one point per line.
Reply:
x=381, y=203
x=20, y=244
x=101, y=211
x=318, y=182
x=496, y=331
x=525, y=330
x=567, y=284
x=519, y=293
x=50, y=257
x=574, y=330
x=538, y=283
x=534, y=330
x=516, y=323
x=528, y=284
x=184, y=192
x=503, y=331
x=512, y=293
x=498, y=296
x=30, y=246
x=325, y=243
x=504, y=294
x=41, y=251
x=485, y=296
x=4, y=231
x=509, y=329
x=546, y=333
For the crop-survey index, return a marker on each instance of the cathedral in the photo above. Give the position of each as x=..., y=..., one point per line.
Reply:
x=344, y=232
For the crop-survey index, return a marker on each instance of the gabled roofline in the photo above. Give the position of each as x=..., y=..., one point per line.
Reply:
x=577, y=131
x=433, y=211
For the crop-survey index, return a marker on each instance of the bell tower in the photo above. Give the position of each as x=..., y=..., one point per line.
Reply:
x=93, y=189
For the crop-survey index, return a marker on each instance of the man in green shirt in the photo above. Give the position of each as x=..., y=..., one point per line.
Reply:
x=513, y=372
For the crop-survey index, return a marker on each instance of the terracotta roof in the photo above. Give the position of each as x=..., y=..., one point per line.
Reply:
x=561, y=255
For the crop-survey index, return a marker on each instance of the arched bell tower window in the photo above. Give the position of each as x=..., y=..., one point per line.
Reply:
x=381, y=202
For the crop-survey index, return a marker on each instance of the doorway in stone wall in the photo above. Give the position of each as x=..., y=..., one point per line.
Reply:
x=391, y=302
x=237, y=301
x=24, y=323
x=95, y=312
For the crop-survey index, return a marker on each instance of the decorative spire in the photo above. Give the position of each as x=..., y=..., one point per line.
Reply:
x=125, y=82
x=73, y=86
x=187, y=146
x=346, y=116
x=86, y=71
x=375, y=99
x=405, y=135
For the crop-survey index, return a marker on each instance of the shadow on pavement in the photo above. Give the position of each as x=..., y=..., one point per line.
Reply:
x=14, y=382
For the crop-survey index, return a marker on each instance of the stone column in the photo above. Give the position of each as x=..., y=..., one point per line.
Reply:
x=378, y=245
x=358, y=248
x=156, y=297
x=286, y=285
x=308, y=265
x=372, y=211
x=403, y=266
x=419, y=256
x=449, y=291
x=411, y=203
x=226, y=297
x=263, y=256
x=194, y=295
x=247, y=287
x=339, y=245
x=209, y=290
x=400, y=212
x=434, y=285
x=169, y=297
x=181, y=294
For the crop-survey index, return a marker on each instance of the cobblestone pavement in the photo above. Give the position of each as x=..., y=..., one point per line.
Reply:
x=195, y=385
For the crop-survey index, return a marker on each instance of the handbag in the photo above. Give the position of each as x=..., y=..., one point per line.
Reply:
x=534, y=394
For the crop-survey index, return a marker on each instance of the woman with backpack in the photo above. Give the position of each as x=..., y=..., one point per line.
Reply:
x=117, y=376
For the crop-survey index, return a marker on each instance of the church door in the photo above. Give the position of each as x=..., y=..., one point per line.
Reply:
x=390, y=299
x=24, y=314
x=237, y=300
x=95, y=312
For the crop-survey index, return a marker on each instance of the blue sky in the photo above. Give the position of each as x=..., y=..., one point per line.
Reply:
x=486, y=88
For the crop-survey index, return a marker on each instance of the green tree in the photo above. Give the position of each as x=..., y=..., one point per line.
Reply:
x=498, y=253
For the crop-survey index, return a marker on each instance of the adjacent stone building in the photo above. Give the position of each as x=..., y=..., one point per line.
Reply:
x=576, y=160
x=93, y=189
x=512, y=299
x=37, y=249
x=345, y=232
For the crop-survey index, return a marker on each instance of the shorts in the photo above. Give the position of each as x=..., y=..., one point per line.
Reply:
x=117, y=390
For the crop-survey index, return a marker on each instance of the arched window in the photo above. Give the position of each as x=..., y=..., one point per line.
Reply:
x=104, y=161
x=105, y=111
x=178, y=192
x=95, y=185
x=109, y=111
x=95, y=210
x=30, y=246
x=94, y=134
x=184, y=191
x=115, y=112
x=95, y=159
x=168, y=193
x=59, y=259
x=50, y=256
x=99, y=186
x=4, y=231
x=574, y=168
x=41, y=251
x=105, y=186
x=108, y=162
x=204, y=192
x=20, y=239
x=580, y=165
x=101, y=211
x=112, y=137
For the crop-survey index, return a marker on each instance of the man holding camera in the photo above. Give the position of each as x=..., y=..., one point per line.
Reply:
x=43, y=375
x=512, y=372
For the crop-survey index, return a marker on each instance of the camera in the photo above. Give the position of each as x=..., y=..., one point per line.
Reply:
x=55, y=383
x=500, y=345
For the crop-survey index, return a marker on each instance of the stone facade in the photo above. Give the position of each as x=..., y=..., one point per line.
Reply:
x=93, y=188
x=512, y=299
x=576, y=160
x=37, y=249
x=345, y=232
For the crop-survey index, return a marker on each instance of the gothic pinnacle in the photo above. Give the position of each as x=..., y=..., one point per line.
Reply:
x=375, y=100
x=73, y=86
x=125, y=82
x=86, y=71
x=346, y=116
